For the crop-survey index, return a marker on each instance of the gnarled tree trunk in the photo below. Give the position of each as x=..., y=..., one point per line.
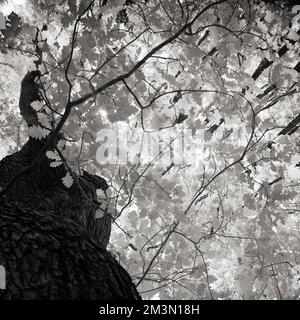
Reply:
x=51, y=245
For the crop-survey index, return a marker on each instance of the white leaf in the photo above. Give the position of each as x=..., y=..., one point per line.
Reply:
x=100, y=193
x=99, y=214
x=44, y=120
x=55, y=164
x=36, y=105
x=61, y=144
x=67, y=180
x=37, y=132
x=52, y=155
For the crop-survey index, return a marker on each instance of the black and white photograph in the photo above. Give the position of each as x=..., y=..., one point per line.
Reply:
x=149, y=152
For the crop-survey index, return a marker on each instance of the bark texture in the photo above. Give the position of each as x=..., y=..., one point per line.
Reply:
x=47, y=257
x=42, y=189
x=51, y=245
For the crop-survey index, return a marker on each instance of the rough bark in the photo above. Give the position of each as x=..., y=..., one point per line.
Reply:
x=51, y=245
x=47, y=257
x=42, y=189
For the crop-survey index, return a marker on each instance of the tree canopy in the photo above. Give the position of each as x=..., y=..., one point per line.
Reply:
x=190, y=110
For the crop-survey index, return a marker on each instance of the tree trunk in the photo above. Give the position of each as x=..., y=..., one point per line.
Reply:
x=51, y=245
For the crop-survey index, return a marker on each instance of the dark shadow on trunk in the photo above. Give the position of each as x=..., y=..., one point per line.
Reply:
x=51, y=245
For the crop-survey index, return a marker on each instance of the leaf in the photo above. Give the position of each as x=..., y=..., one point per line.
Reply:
x=67, y=180
x=72, y=7
x=99, y=214
x=52, y=155
x=13, y=26
x=181, y=117
x=55, y=164
x=100, y=193
x=132, y=247
x=37, y=132
x=61, y=144
x=44, y=120
x=36, y=105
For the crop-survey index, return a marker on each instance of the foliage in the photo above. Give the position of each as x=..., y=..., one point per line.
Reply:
x=223, y=224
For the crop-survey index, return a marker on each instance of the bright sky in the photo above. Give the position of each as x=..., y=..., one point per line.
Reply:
x=12, y=5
